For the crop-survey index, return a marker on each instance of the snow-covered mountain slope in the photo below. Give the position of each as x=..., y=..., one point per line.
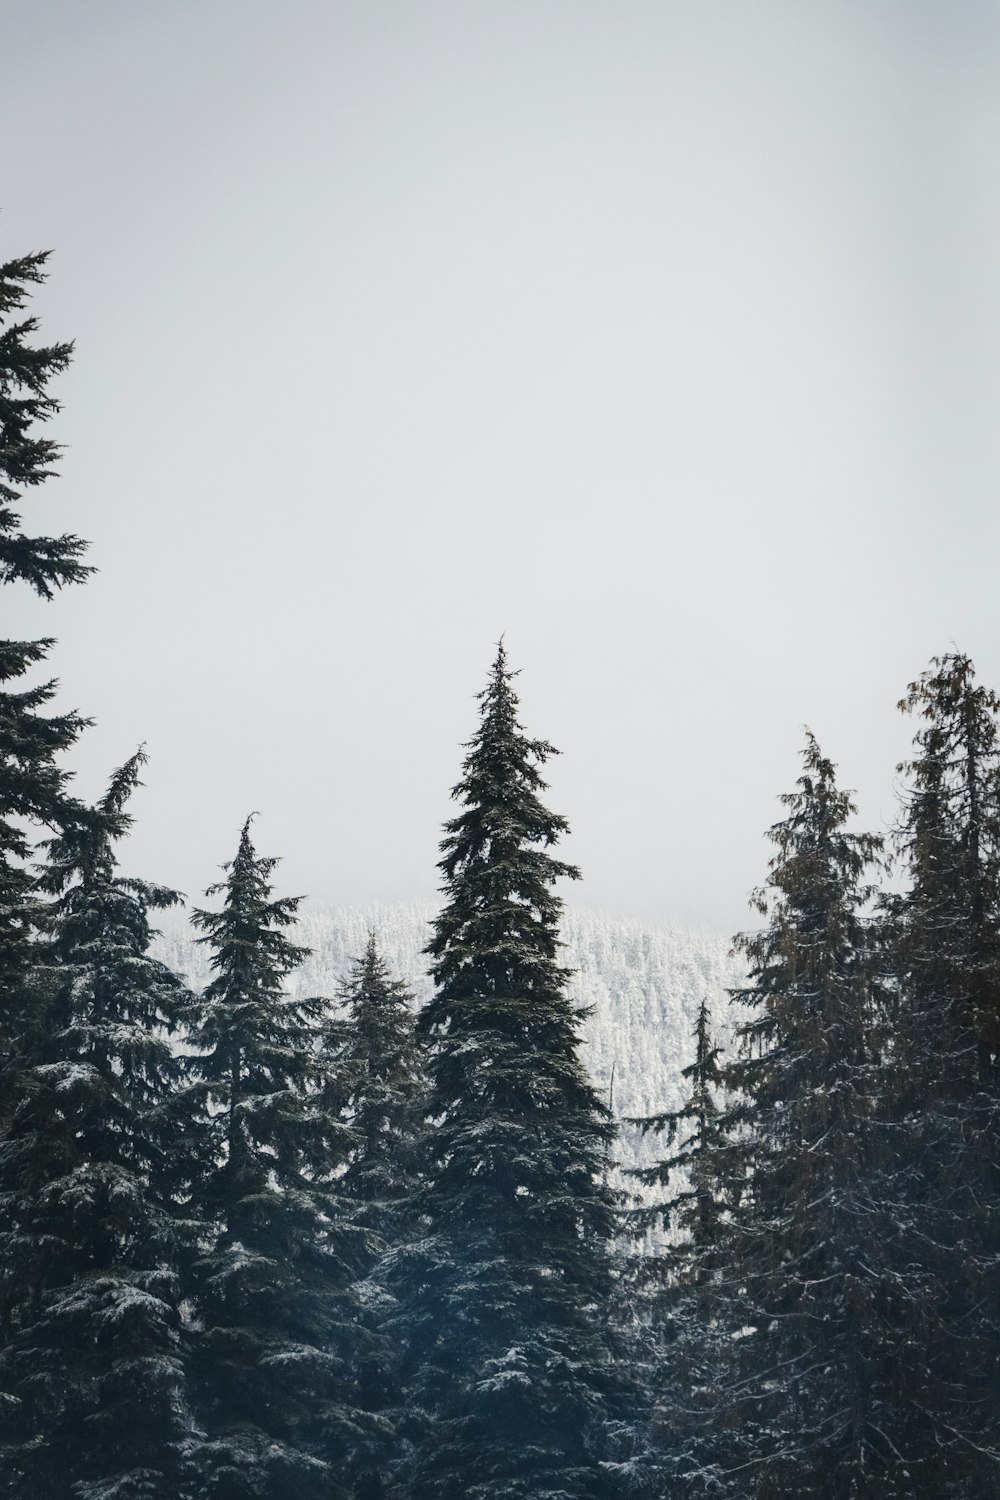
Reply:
x=643, y=985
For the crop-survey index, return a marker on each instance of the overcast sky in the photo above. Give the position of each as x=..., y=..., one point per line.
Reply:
x=662, y=337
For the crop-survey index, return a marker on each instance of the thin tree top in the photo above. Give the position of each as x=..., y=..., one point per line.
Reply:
x=498, y=875
x=45, y=563
x=84, y=850
x=814, y=854
x=247, y=937
x=500, y=780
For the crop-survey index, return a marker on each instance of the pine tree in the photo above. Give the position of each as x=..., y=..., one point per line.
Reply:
x=32, y=784
x=808, y=1293
x=380, y=1071
x=943, y=937
x=272, y=1290
x=947, y=930
x=698, y=1131
x=508, y=1289
x=46, y=563
x=378, y=1074
x=88, y=1187
x=676, y=1280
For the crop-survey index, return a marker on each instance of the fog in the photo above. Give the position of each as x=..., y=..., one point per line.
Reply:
x=661, y=338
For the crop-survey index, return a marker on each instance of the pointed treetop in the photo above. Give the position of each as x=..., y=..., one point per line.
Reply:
x=245, y=848
x=812, y=849
x=499, y=747
x=500, y=661
x=121, y=786
x=703, y=1025
x=246, y=868
x=250, y=905
x=85, y=847
x=44, y=563
x=498, y=688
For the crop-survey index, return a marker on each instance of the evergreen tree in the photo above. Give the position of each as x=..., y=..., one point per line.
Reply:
x=272, y=1290
x=698, y=1131
x=88, y=1184
x=809, y=1295
x=46, y=563
x=509, y=1350
x=379, y=1076
x=677, y=1280
x=946, y=928
x=380, y=1073
x=943, y=938
x=32, y=784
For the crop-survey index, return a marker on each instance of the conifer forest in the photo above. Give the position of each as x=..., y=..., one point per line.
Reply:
x=260, y=1245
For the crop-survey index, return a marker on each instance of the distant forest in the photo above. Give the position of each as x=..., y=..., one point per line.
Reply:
x=256, y=1245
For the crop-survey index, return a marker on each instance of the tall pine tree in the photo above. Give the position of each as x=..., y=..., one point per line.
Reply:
x=89, y=1185
x=32, y=783
x=694, y=1173
x=277, y=1330
x=509, y=1353
x=807, y=1286
x=944, y=945
x=33, y=790
x=676, y=1280
x=947, y=930
x=379, y=1078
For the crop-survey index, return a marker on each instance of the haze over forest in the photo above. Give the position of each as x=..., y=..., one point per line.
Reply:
x=657, y=337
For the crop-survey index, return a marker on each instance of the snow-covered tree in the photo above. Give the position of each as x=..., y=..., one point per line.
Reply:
x=45, y=563
x=380, y=1073
x=943, y=939
x=806, y=1283
x=32, y=782
x=694, y=1173
x=946, y=926
x=509, y=1350
x=379, y=1080
x=89, y=1181
x=680, y=1340
x=277, y=1330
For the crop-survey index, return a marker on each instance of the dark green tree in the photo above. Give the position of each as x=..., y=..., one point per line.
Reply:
x=46, y=563
x=89, y=1184
x=32, y=783
x=943, y=937
x=808, y=1295
x=946, y=926
x=694, y=1173
x=379, y=1074
x=683, y=1343
x=509, y=1348
x=273, y=1297
x=380, y=1071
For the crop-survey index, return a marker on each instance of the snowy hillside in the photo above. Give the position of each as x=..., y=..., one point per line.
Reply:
x=643, y=984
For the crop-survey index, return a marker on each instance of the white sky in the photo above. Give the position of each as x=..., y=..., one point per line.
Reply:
x=661, y=336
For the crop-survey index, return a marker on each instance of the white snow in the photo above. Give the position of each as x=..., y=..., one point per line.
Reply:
x=643, y=984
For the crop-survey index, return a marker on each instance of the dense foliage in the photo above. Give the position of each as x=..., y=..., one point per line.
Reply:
x=256, y=1244
x=273, y=1360
x=92, y=1191
x=510, y=1352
